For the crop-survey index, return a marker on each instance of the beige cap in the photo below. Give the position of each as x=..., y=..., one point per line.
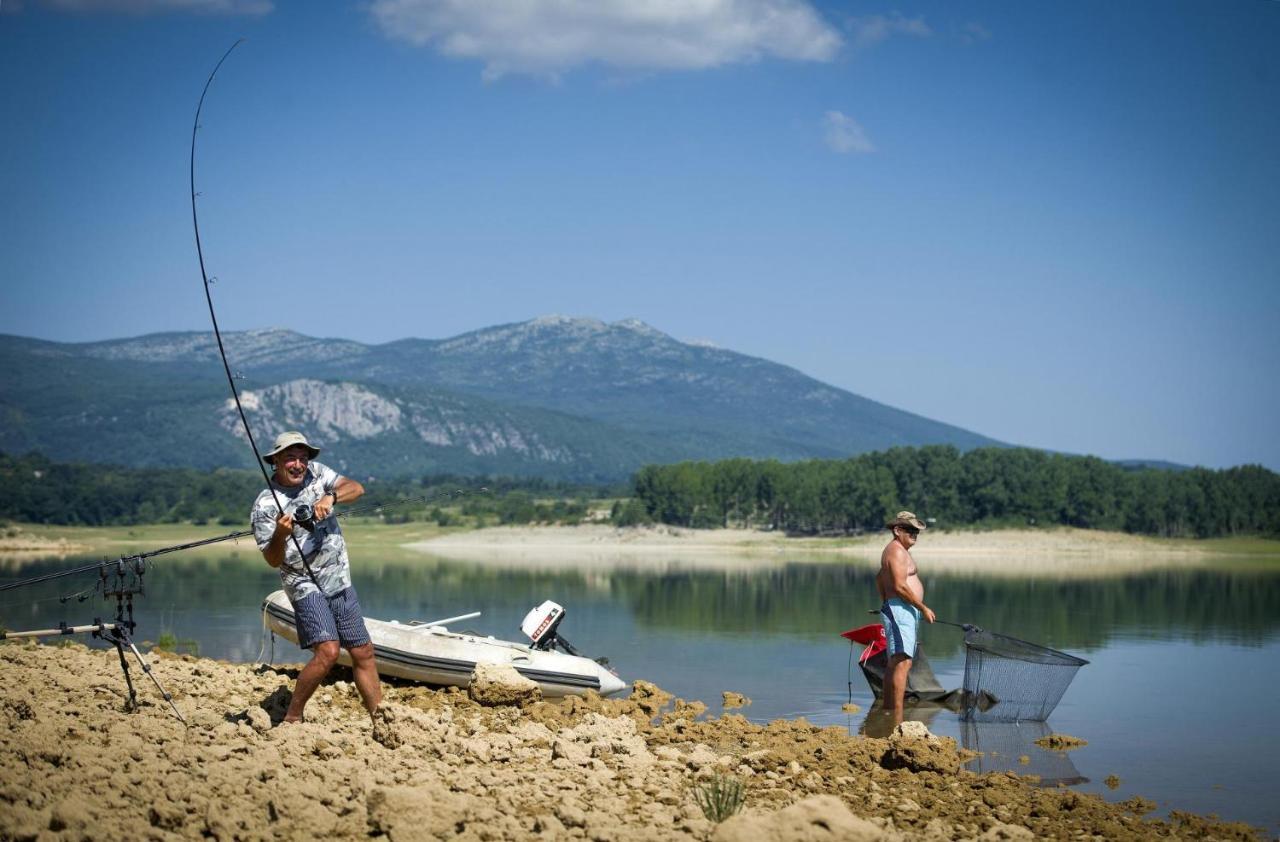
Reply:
x=906, y=519
x=284, y=441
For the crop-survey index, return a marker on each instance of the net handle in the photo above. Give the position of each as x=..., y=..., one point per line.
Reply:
x=968, y=627
x=965, y=626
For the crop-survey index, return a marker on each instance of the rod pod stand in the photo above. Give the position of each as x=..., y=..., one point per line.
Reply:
x=120, y=637
x=115, y=633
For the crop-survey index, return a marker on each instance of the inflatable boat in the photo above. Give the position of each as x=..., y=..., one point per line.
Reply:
x=431, y=654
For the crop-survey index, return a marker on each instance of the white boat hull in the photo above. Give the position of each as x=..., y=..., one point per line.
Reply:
x=435, y=655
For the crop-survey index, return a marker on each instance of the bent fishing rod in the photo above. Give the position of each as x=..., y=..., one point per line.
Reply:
x=217, y=333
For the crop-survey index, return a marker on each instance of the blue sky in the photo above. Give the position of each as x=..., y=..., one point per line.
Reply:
x=1051, y=223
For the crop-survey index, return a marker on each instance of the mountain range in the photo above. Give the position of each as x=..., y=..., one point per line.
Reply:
x=555, y=397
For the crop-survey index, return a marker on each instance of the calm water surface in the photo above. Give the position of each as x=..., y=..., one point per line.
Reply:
x=1179, y=700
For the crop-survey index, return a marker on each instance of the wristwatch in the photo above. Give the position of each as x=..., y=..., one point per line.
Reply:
x=333, y=492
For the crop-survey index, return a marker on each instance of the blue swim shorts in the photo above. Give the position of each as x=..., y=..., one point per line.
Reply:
x=901, y=620
x=319, y=618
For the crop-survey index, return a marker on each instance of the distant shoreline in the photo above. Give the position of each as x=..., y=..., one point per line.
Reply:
x=1024, y=551
x=1005, y=551
x=1054, y=540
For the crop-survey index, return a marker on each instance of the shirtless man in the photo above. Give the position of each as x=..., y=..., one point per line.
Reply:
x=902, y=595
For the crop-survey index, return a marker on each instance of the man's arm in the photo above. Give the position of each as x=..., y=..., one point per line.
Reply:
x=345, y=490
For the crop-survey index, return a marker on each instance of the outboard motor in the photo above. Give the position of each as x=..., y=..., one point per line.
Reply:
x=540, y=626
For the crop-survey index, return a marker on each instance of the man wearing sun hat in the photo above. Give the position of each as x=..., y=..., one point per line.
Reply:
x=902, y=598
x=317, y=582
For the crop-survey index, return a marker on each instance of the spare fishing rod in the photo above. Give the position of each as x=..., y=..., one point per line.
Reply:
x=105, y=565
x=137, y=558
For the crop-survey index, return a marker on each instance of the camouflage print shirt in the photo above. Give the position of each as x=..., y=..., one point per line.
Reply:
x=325, y=549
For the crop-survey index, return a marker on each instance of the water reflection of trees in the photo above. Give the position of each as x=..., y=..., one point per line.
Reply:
x=811, y=601
x=817, y=600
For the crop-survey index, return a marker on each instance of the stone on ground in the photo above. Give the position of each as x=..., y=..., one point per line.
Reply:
x=500, y=684
x=822, y=817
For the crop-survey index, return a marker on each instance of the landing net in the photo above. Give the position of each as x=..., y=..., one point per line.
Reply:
x=1011, y=680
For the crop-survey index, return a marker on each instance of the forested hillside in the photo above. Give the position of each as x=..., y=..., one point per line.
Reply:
x=993, y=486
x=35, y=490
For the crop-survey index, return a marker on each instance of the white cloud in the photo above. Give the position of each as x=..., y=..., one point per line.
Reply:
x=145, y=7
x=973, y=32
x=869, y=31
x=548, y=37
x=843, y=134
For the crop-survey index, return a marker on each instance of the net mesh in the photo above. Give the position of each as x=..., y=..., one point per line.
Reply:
x=1011, y=680
x=1011, y=747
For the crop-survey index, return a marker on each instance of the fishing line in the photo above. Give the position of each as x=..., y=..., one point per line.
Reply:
x=426, y=498
x=79, y=596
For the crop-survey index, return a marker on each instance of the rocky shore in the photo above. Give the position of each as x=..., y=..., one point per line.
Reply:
x=75, y=765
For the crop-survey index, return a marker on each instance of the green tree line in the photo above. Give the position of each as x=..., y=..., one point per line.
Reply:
x=986, y=487
x=34, y=489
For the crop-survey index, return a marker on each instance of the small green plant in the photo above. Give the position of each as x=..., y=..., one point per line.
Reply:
x=169, y=642
x=719, y=797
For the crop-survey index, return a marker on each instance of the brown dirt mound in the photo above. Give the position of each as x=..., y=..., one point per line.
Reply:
x=73, y=764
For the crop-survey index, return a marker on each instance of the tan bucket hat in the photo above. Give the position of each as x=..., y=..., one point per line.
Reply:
x=284, y=441
x=906, y=519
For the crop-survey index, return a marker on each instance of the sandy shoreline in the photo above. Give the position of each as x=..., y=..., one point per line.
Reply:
x=664, y=538
x=1058, y=552
x=1008, y=552
x=20, y=544
x=74, y=765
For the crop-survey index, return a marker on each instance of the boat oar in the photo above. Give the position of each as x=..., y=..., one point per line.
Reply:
x=418, y=624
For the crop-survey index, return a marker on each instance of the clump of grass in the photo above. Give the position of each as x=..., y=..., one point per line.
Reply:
x=719, y=798
x=169, y=642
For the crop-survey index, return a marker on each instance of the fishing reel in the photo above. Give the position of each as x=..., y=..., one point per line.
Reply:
x=304, y=516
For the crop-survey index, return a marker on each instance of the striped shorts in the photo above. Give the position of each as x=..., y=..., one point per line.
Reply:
x=319, y=618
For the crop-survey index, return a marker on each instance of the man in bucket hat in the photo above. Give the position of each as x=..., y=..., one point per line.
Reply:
x=325, y=606
x=902, y=598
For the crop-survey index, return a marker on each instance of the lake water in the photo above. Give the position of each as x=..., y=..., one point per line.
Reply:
x=1179, y=701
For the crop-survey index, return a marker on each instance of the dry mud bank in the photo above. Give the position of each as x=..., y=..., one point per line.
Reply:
x=74, y=766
